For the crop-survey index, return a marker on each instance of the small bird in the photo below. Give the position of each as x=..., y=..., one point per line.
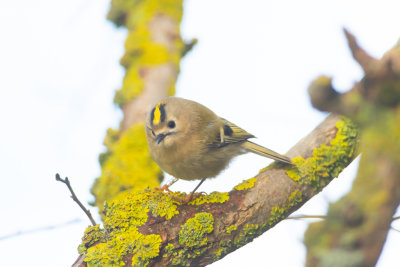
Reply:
x=190, y=142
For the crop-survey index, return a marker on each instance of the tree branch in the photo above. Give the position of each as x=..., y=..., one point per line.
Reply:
x=366, y=62
x=356, y=226
x=75, y=198
x=211, y=226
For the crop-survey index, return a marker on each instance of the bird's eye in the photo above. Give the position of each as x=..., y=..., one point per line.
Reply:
x=152, y=132
x=171, y=124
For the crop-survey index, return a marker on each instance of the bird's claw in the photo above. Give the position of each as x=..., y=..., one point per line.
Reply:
x=163, y=188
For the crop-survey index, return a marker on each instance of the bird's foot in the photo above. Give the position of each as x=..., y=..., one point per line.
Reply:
x=163, y=188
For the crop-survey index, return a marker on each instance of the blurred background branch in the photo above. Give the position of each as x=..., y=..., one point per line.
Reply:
x=355, y=230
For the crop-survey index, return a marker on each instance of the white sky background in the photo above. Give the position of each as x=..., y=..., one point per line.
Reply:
x=59, y=69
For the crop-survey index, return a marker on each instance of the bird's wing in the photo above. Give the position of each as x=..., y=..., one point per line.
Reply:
x=230, y=133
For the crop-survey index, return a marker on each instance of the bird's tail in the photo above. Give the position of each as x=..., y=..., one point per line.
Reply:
x=265, y=152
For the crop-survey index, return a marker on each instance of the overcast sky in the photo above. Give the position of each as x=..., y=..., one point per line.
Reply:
x=254, y=60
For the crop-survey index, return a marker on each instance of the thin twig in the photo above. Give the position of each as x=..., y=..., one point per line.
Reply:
x=73, y=196
x=39, y=229
x=394, y=229
x=299, y=217
x=395, y=218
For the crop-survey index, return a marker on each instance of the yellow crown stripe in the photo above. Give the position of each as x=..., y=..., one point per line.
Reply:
x=158, y=113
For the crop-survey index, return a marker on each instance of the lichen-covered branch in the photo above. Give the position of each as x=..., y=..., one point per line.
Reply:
x=356, y=226
x=151, y=228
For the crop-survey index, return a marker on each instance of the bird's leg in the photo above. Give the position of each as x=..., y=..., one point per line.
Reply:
x=166, y=186
x=172, y=182
x=189, y=197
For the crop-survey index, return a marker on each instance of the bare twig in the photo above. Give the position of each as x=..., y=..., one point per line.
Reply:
x=394, y=229
x=395, y=218
x=39, y=229
x=73, y=196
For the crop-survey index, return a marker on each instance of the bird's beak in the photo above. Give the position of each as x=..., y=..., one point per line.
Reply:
x=160, y=137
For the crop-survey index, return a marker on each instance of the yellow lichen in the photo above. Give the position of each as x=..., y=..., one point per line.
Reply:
x=230, y=229
x=92, y=235
x=295, y=198
x=130, y=241
x=142, y=49
x=266, y=168
x=246, y=184
x=194, y=231
x=214, y=197
x=327, y=161
x=123, y=216
x=129, y=166
x=131, y=209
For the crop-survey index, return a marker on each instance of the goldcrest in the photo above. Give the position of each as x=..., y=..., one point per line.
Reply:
x=190, y=142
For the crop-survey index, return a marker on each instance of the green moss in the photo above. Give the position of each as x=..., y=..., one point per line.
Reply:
x=249, y=232
x=92, y=235
x=327, y=161
x=230, y=229
x=184, y=257
x=279, y=213
x=218, y=253
x=224, y=249
x=180, y=258
x=295, y=198
x=246, y=184
x=128, y=167
x=214, y=197
x=123, y=217
x=194, y=231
